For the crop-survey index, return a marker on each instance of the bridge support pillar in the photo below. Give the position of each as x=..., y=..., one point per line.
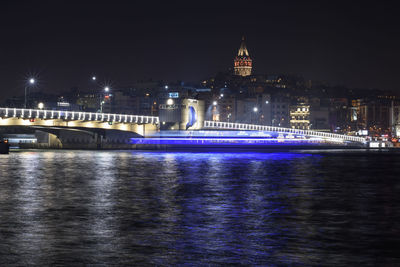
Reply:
x=54, y=141
x=98, y=140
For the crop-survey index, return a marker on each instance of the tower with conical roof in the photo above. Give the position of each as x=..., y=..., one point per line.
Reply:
x=243, y=62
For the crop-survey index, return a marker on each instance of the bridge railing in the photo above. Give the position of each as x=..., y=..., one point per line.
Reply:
x=254, y=127
x=75, y=116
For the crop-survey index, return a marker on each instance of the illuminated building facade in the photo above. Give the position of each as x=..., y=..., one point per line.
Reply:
x=300, y=116
x=395, y=120
x=243, y=63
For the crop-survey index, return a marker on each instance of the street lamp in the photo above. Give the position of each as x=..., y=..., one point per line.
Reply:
x=93, y=78
x=106, y=89
x=170, y=102
x=215, y=113
x=255, y=109
x=31, y=82
x=41, y=105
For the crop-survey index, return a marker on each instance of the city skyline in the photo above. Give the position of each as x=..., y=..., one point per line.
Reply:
x=199, y=133
x=64, y=44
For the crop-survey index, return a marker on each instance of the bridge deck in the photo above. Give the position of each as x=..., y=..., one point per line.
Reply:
x=254, y=127
x=75, y=115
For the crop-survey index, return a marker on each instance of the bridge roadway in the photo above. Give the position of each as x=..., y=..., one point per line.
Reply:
x=37, y=118
x=327, y=137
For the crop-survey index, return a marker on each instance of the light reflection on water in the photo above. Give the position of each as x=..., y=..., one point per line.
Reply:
x=119, y=207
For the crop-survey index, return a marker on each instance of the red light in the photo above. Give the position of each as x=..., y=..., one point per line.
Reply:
x=32, y=120
x=107, y=97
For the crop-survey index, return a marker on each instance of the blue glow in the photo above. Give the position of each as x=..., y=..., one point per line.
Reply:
x=226, y=134
x=224, y=141
x=192, y=117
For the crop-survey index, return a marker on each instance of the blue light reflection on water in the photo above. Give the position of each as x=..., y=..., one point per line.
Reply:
x=119, y=207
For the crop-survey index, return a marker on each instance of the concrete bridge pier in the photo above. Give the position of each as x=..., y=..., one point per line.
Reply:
x=99, y=138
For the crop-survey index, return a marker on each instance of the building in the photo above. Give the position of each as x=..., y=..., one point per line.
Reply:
x=243, y=62
x=375, y=115
x=181, y=114
x=226, y=107
x=319, y=114
x=247, y=111
x=395, y=119
x=280, y=110
x=89, y=102
x=300, y=115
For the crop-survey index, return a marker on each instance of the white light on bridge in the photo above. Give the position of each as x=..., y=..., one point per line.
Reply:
x=107, y=89
x=94, y=78
x=170, y=102
x=31, y=81
x=255, y=109
x=41, y=105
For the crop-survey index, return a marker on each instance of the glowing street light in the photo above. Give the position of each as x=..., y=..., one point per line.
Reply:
x=41, y=105
x=267, y=102
x=215, y=103
x=31, y=82
x=93, y=78
x=221, y=95
x=170, y=102
x=106, y=89
x=255, y=109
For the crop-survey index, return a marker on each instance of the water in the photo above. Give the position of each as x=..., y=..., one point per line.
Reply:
x=328, y=208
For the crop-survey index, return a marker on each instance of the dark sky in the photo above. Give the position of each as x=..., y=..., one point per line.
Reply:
x=64, y=43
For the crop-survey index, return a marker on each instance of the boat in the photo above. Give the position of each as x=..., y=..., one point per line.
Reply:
x=4, y=146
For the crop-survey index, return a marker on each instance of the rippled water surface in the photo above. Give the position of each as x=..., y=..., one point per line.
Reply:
x=157, y=208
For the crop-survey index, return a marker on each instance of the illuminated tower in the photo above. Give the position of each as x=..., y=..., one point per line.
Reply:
x=243, y=62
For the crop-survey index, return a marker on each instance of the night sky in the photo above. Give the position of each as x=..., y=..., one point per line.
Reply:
x=64, y=43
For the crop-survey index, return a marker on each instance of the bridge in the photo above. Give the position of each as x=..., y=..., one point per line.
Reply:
x=248, y=136
x=285, y=132
x=79, y=127
x=75, y=119
x=95, y=125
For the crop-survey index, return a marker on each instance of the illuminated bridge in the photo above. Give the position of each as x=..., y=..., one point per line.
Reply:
x=73, y=119
x=238, y=135
x=91, y=130
x=80, y=128
x=287, y=133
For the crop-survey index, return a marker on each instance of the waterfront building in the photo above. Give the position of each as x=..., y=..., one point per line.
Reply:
x=395, y=119
x=319, y=114
x=181, y=114
x=280, y=110
x=300, y=115
x=375, y=115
